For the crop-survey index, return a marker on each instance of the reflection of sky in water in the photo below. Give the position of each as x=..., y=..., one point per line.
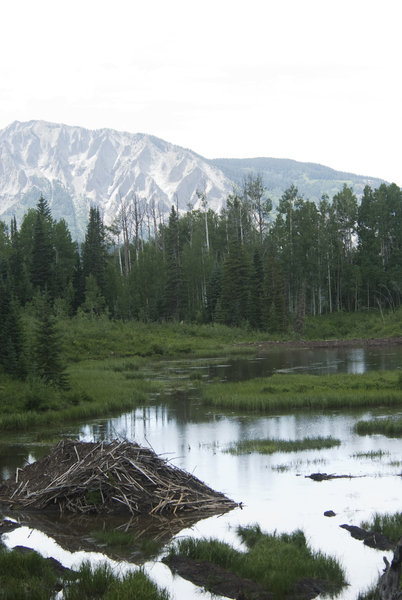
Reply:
x=274, y=489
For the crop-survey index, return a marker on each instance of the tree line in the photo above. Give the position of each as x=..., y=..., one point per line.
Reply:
x=249, y=264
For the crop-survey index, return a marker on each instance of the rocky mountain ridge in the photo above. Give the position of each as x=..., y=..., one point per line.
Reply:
x=75, y=168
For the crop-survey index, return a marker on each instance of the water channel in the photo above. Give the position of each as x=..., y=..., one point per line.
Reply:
x=274, y=489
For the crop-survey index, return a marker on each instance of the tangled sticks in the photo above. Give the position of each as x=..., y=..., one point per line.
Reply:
x=116, y=476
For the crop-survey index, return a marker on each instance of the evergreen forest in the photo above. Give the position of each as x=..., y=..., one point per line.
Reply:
x=249, y=266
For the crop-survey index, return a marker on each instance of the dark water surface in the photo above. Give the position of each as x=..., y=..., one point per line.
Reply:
x=274, y=489
x=313, y=361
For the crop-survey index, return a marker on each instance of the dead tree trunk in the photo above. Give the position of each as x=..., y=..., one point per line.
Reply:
x=389, y=582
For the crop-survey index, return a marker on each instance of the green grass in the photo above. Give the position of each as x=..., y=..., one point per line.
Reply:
x=274, y=561
x=363, y=324
x=269, y=446
x=25, y=576
x=114, y=538
x=101, y=583
x=28, y=576
x=102, y=338
x=388, y=427
x=98, y=388
x=370, y=593
x=388, y=525
x=295, y=391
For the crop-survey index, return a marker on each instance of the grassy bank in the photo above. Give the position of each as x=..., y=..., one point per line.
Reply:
x=29, y=576
x=102, y=583
x=102, y=338
x=389, y=525
x=26, y=576
x=387, y=427
x=269, y=446
x=294, y=392
x=106, y=362
x=354, y=325
x=97, y=388
x=274, y=561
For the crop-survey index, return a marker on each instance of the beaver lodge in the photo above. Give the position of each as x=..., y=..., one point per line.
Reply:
x=109, y=477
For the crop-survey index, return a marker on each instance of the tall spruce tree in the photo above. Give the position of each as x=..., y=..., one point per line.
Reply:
x=214, y=288
x=235, y=285
x=94, y=252
x=255, y=293
x=274, y=312
x=48, y=347
x=174, y=286
x=42, y=265
x=13, y=356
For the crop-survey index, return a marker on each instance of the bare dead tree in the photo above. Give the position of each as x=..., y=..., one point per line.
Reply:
x=203, y=197
x=123, y=221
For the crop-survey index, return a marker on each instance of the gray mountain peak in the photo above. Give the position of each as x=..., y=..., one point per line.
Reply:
x=75, y=168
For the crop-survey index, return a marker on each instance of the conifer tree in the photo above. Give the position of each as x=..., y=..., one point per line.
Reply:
x=94, y=253
x=274, y=313
x=48, y=347
x=235, y=285
x=42, y=258
x=255, y=293
x=174, y=287
x=12, y=338
x=214, y=287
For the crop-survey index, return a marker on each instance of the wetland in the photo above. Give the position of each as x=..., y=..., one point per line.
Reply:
x=275, y=489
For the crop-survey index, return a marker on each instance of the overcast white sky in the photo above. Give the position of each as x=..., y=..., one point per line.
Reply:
x=312, y=80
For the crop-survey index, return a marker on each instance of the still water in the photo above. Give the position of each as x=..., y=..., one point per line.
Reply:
x=274, y=490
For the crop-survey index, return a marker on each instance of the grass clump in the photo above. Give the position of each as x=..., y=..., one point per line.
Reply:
x=387, y=427
x=301, y=391
x=373, y=454
x=274, y=561
x=114, y=537
x=389, y=525
x=25, y=576
x=101, y=583
x=269, y=446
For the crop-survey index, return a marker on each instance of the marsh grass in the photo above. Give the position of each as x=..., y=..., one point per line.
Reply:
x=373, y=454
x=370, y=593
x=97, y=388
x=388, y=525
x=101, y=338
x=269, y=446
x=303, y=391
x=26, y=576
x=113, y=537
x=101, y=583
x=121, y=539
x=354, y=325
x=388, y=427
x=274, y=561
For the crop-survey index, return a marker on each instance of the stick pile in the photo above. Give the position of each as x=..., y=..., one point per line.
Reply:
x=109, y=477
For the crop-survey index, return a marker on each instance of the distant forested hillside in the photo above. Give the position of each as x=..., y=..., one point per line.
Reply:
x=278, y=174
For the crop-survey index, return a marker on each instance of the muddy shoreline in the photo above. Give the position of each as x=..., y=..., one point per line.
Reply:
x=355, y=343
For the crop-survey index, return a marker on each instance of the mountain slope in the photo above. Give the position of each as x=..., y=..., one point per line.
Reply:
x=75, y=168
x=312, y=180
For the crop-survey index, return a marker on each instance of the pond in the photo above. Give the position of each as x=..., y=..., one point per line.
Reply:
x=274, y=490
